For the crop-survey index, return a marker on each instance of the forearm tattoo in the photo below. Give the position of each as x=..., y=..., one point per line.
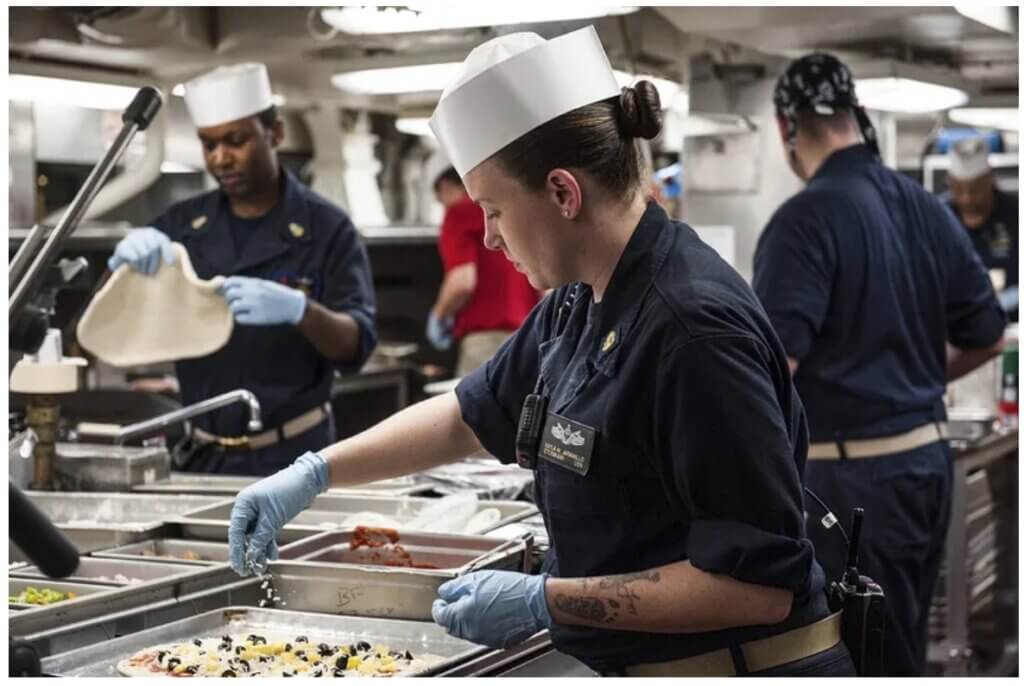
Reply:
x=604, y=599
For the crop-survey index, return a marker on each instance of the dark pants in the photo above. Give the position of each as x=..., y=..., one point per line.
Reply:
x=213, y=459
x=832, y=662
x=906, y=501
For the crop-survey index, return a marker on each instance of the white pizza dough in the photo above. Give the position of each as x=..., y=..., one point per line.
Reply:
x=172, y=315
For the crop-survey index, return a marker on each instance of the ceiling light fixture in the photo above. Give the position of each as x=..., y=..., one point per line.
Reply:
x=393, y=80
x=1000, y=18
x=419, y=15
x=54, y=91
x=414, y=126
x=1003, y=118
x=895, y=94
x=892, y=86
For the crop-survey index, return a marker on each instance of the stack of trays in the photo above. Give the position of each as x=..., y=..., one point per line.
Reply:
x=981, y=564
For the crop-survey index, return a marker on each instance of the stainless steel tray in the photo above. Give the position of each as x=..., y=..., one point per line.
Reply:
x=93, y=570
x=448, y=553
x=209, y=484
x=114, y=600
x=93, y=521
x=171, y=550
x=305, y=587
x=395, y=592
x=330, y=511
x=217, y=530
x=16, y=586
x=98, y=467
x=419, y=637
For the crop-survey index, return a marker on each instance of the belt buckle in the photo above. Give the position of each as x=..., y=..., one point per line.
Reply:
x=233, y=442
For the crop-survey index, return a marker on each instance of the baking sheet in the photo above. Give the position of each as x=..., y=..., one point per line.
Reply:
x=418, y=637
x=92, y=570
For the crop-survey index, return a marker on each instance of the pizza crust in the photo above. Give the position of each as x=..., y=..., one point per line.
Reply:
x=204, y=657
x=172, y=315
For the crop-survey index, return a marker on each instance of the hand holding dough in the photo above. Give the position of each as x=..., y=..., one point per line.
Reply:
x=137, y=319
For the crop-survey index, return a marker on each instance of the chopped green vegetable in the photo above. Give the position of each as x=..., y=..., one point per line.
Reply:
x=37, y=596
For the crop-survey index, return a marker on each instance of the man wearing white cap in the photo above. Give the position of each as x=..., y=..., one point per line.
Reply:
x=298, y=285
x=989, y=215
x=648, y=393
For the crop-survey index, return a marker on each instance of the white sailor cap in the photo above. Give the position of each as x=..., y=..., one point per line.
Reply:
x=512, y=84
x=968, y=159
x=228, y=93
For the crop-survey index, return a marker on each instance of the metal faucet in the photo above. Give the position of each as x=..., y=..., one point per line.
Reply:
x=185, y=413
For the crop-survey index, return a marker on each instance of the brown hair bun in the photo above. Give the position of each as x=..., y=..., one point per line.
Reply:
x=640, y=111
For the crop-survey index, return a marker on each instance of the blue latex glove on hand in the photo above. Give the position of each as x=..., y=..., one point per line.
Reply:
x=439, y=332
x=259, y=302
x=494, y=608
x=261, y=509
x=142, y=250
x=1009, y=298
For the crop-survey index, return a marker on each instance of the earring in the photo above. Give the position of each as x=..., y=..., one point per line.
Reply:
x=566, y=213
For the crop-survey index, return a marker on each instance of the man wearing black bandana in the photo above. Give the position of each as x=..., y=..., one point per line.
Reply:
x=879, y=299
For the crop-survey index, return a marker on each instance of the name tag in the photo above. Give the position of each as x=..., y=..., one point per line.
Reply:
x=568, y=443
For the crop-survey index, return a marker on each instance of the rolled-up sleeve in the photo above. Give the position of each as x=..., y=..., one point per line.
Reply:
x=794, y=267
x=728, y=454
x=348, y=288
x=491, y=397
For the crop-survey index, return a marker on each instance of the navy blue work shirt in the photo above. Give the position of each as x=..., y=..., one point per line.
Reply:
x=997, y=240
x=701, y=438
x=304, y=242
x=865, y=276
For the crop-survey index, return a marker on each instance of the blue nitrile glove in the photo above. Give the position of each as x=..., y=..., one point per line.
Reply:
x=1009, y=298
x=260, y=302
x=142, y=250
x=495, y=608
x=439, y=332
x=261, y=509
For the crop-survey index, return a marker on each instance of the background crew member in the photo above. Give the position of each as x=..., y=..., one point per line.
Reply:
x=298, y=282
x=483, y=299
x=866, y=278
x=989, y=215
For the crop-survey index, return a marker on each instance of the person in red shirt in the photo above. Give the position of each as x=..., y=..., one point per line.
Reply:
x=483, y=298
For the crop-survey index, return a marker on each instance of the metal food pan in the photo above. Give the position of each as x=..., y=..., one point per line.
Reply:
x=395, y=592
x=117, y=600
x=71, y=509
x=84, y=628
x=92, y=570
x=175, y=550
x=208, y=484
x=449, y=553
x=16, y=586
x=217, y=530
x=94, y=521
x=418, y=637
x=330, y=511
